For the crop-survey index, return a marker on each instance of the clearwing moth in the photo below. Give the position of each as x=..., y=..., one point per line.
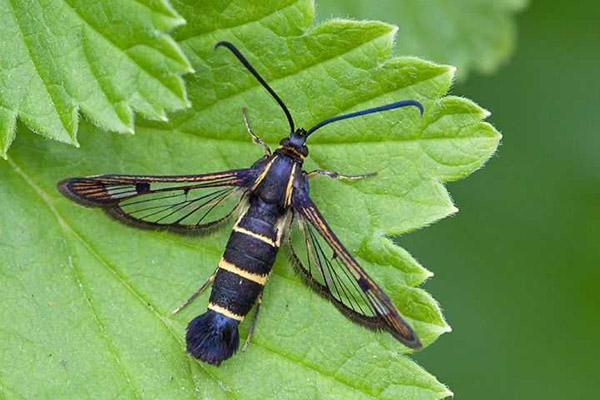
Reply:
x=271, y=204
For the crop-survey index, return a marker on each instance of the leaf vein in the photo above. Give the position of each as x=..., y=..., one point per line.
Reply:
x=101, y=82
x=273, y=81
x=30, y=53
x=123, y=51
x=77, y=278
x=313, y=368
x=101, y=327
x=199, y=34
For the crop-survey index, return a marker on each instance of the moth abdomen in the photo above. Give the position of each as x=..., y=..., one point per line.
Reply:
x=233, y=294
x=212, y=337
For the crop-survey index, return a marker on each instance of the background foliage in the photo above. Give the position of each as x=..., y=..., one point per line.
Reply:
x=469, y=34
x=517, y=269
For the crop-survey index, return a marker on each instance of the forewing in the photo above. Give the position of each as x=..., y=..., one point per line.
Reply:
x=189, y=204
x=328, y=268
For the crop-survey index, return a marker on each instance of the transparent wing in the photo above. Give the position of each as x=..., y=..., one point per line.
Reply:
x=189, y=204
x=328, y=268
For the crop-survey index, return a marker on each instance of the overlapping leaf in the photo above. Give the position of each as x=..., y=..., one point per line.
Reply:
x=101, y=58
x=471, y=34
x=94, y=297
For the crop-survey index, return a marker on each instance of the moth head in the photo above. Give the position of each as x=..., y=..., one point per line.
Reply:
x=297, y=141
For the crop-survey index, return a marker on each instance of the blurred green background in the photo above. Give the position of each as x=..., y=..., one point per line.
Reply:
x=517, y=269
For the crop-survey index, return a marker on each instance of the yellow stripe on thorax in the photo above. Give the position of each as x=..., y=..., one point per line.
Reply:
x=264, y=173
x=227, y=266
x=290, y=187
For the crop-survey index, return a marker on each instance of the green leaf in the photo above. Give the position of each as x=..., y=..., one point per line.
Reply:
x=89, y=299
x=104, y=59
x=471, y=34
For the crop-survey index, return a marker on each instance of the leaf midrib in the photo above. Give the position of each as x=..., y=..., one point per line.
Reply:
x=95, y=315
x=65, y=227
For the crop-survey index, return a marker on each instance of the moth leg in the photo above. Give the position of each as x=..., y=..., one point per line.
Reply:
x=335, y=175
x=197, y=293
x=255, y=138
x=251, y=331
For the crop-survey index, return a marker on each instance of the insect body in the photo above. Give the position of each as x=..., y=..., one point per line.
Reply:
x=249, y=255
x=270, y=199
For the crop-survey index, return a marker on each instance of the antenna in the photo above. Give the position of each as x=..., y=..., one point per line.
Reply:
x=259, y=78
x=392, y=106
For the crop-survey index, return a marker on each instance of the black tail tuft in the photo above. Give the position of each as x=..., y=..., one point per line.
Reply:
x=212, y=337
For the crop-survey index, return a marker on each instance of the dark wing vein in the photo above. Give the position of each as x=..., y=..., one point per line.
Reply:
x=346, y=290
x=191, y=204
x=328, y=268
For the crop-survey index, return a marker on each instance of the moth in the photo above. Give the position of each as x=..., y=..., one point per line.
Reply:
x=272, y=207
